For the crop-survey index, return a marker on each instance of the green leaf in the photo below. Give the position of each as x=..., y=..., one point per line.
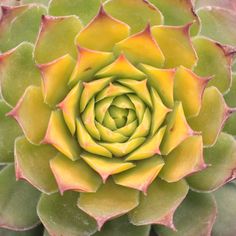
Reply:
x=218, y=24
x=122, y=226
x=94, y=35
x=18, y=202
x=9, y=130
x=74, y=175
x=214, y=60
x=19, y=29
x=32, y=164
x=60, y=137
x=195, y=216
x=160, y=203
x=142, y=175
x=55, y=76
x=85, y=10
x=31, y=110
x=18, y=71
x=136, y=13
x=211, y=117
x=226, y=202
x=176, y=45
x=61, y=216
x=48, y=47
x=185, y=159
x=221, y=159
x=178, y=12
x=108, y=202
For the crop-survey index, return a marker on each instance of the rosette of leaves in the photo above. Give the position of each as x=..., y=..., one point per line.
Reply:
x=111, y=118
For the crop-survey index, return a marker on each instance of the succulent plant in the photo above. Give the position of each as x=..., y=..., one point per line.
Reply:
x=117, y=118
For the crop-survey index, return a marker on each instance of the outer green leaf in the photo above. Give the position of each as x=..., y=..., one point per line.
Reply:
x=122, y=226
x=211, y=117
x=222, y=165
x=108, y=202
x=178, y=12
x=18, y=71
x=9, y=130
x=226, y=202
x=160, y=203
x=61, y=216
x=136, y=13
x=218, y=24
x=17, y=202
x=44, y=2
x=32, y=164
x=86, y=10
x=195, y=216
x=48, y=47
x=31, y=110
x=214, y=60
x=19, y=29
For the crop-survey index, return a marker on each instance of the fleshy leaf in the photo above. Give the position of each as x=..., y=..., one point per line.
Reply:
x=163, y=81
x=101, y=108
x=143, y=128
x=153, y=211
x=88, y=63
x=61, y=216
x=121, y=67
x=176, y=45
x=74, y=175
x=221, y=160
x=211, y=117
x=94, y=35
x=91, y=89
x=149, y=148
x=178, y=12
x=9, y=130
x=122, y=226
x=84, y=9
x=228, y=4
x=108, y=202
x=195, y=216
x=48, y=47
x=185, y=159
x=136, y=13
x=106, y=167
x=18, y=71
x=55, y=77
x=121, y=149
x=225, y=199
x=59, y=136
x=17, y=213
x=140, y=88
x=134, y=46
x=69, y=107
x=142, y=175
x=87, y=143
x=193, y=87
x=158, y=113
x=29, y=156
x=32, y=114
x=17, y=21
x=177, y=130
x=214, y=60
x=218, y=24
